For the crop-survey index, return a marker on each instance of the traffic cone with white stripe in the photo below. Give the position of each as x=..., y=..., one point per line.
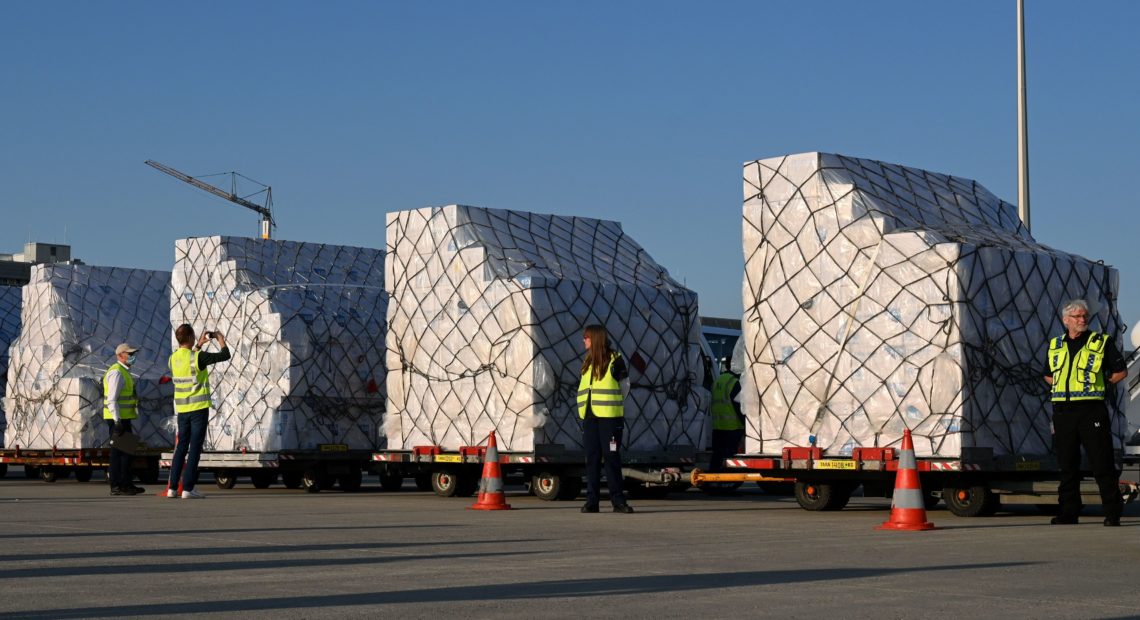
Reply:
x=907, y=509
x=491, y=486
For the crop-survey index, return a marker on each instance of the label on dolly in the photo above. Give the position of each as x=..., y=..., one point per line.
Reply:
x=1028, y=466
x=333, y=447
x=448, y=458
x=835, y=464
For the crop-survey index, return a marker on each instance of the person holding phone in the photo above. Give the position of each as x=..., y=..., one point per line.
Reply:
x=189, y=370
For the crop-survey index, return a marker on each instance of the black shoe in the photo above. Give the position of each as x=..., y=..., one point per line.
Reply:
x=589, y=508
x=1112, y=521
x=118, y=491
x=1063, y=520
x=624, y=508
x=133, y=490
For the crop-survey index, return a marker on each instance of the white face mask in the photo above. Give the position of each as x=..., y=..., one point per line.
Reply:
x=131, y=359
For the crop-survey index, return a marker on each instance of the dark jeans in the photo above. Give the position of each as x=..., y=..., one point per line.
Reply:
x=120, y=468
x=596, y=435
x=725, y=444
x=1085, y=424
x=188, y=450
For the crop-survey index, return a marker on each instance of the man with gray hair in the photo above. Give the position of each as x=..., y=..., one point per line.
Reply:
x=1081, y=365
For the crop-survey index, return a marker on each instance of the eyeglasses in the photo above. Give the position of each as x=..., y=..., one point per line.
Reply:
x=1082, y=317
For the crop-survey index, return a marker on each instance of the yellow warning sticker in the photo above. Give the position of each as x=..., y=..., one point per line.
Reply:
x=1028, y=466
x=835, y=464
x=333, y=447
x=448, y=458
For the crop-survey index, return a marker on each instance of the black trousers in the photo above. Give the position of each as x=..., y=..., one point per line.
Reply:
x=596, y=436
x=120, y=469
x=725, y=444
x=1085, y=424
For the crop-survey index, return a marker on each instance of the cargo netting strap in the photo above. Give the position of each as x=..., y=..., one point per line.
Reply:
x=72, y=318
x=880, y=298
x=486, y=314
x=305, y=324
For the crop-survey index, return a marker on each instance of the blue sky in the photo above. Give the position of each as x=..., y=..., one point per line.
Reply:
x=640, y=112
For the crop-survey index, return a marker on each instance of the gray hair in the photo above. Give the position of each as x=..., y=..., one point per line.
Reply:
x=1072, y=305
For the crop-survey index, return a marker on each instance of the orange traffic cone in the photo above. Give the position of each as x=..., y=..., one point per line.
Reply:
x=491, y=486
x=907, y=510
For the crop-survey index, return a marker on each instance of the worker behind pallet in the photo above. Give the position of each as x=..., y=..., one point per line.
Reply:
x=189, y=371
x=727, y=419
x=1080, y=366
x=601, y=406
x=120, y=406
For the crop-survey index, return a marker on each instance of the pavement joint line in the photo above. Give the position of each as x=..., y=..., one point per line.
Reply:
x=246, y=542
x=1083, y=603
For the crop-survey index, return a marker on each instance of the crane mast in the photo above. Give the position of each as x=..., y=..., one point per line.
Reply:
x=265, y=211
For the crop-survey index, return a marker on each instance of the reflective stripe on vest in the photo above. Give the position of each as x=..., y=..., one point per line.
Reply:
x=191, y=386
x=724, y=416
x=603, y=396
x=127, y=401
x=1079, y=378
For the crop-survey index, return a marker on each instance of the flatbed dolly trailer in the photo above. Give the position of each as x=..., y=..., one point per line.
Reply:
x=321, y=468
x=53, y=464
x=551, y=471
x=977, y=484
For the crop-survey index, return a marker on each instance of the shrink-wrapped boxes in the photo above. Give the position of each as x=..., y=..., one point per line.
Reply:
x=485, y=319
x=73, y=317
x=305, y=324
x=879, y=298
x=9, y=328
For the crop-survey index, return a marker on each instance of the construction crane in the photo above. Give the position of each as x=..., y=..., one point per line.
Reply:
x=266, y=210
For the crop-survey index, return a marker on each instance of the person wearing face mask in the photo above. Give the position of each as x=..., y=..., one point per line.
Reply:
x=1082, y=366
x=120, y=406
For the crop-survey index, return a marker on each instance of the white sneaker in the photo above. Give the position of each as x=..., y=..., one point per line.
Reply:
x=192, y=495
x=171, y=493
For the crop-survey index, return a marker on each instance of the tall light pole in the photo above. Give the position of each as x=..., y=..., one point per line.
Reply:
x=1022, y=123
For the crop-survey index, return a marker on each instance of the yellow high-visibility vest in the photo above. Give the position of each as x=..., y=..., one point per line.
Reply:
x=724, y=416
x=128, y=402
x=602, y=396
x=191, y=386
x=1079, y=377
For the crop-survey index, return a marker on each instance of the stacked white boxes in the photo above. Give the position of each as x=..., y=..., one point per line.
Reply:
x=485, y=317
x=880, y=298
x=9, y=328
x=73, y=317
x=305, y=324
x=1131, y=385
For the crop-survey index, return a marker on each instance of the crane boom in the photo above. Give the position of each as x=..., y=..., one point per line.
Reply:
x=265, y=211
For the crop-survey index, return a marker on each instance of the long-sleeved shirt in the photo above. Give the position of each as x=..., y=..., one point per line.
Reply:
x=114, y=386
x=206, y=358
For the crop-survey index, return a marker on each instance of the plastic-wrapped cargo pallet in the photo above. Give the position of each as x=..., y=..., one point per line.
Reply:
x=485, y=323
x=1131, y=385
x=880, y=297
x=73, y=317
x=305, y=324
x=9, y=327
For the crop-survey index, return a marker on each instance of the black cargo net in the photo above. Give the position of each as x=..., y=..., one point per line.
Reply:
x=486, y=318
x=72, y=319
x=880, y=298
x=305, y=325
x=9, y=329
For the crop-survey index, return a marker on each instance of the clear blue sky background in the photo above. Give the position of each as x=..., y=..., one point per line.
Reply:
x=640, y=112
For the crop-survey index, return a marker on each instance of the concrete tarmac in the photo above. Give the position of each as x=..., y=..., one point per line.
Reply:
x=70, y=550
